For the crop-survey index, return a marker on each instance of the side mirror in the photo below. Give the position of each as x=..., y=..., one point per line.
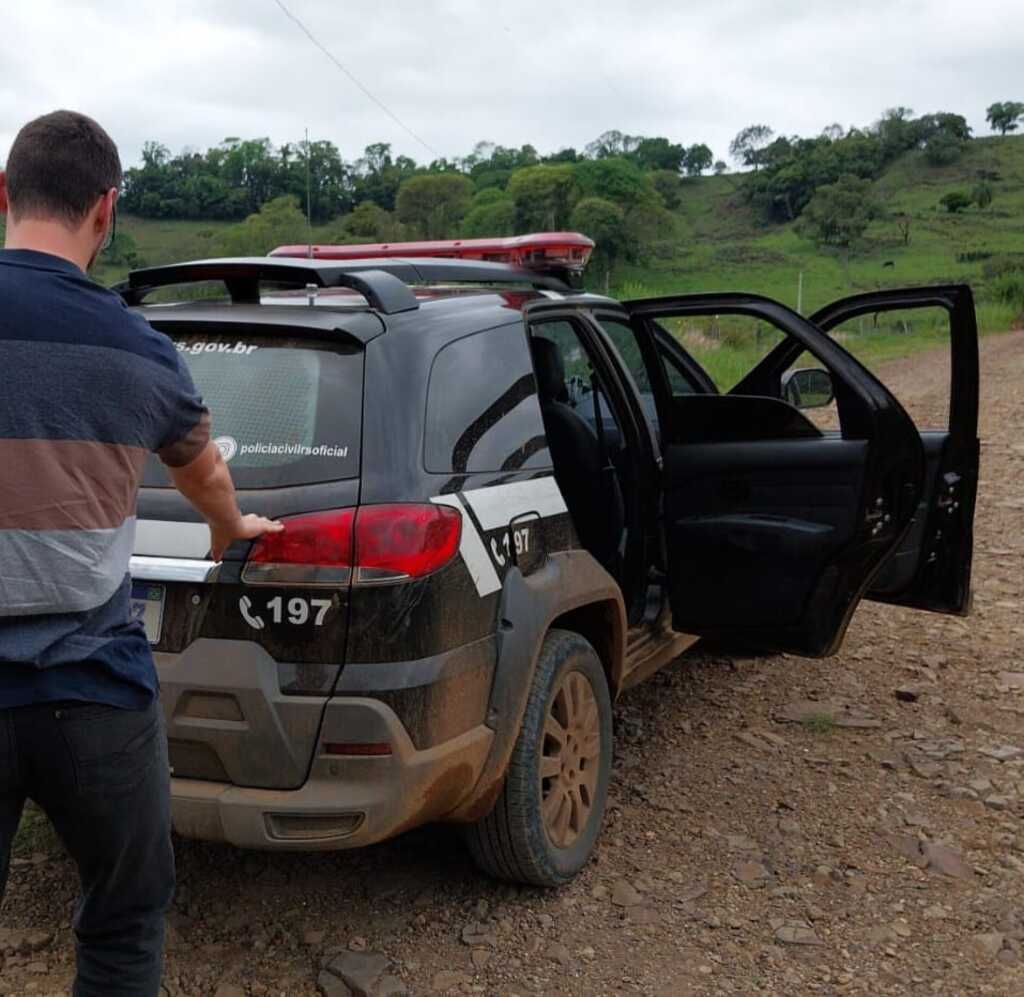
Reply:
x=809, y=387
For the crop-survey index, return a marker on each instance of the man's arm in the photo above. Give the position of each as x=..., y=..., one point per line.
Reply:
x=206, y=483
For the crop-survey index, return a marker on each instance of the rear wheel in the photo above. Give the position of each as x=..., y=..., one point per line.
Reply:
x=544, y=826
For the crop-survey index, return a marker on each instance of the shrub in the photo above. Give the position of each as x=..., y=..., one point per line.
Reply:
x=1005, y=263
x=955, y=201
x=1009, y=289
x=982, y=194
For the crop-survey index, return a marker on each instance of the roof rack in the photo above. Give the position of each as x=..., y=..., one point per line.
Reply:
x=419, y=270
x=242, y=276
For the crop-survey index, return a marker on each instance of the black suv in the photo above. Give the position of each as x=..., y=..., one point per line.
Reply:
x=507, y=501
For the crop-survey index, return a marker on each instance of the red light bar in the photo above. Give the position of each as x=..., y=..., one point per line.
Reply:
x=538, y=251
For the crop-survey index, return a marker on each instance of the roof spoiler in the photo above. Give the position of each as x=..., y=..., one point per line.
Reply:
x=243, y=276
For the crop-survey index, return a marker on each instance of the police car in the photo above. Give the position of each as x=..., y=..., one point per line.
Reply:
x=507, y=501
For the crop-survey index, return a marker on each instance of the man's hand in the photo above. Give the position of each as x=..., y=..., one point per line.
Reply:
x=206, y=483
x=244, y=528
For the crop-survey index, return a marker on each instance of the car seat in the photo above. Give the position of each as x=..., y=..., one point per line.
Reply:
x=588, y=482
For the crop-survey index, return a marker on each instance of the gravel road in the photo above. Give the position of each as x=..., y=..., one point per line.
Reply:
x=777, y=826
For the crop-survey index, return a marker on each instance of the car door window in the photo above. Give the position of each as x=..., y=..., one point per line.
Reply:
x=580, y=377
x=922, y=381
x=624, y=340
x=909, y=345
x=726, y=346
x=679, y=381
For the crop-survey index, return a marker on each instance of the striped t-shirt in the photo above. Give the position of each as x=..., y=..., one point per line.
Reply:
x=87, y=391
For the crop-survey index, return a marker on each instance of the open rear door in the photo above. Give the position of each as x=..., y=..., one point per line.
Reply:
x=775, y=529
x=931, y=567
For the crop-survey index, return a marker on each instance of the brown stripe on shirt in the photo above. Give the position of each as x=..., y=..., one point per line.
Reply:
x=185, y=450
x=67, y=484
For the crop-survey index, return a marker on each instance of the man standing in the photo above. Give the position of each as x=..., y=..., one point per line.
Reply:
x=88, y=391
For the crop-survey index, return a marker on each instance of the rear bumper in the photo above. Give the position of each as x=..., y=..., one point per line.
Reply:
x=346, y=802
x=233, y=731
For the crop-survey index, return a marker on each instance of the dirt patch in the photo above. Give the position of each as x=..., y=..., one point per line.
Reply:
x=757, y=842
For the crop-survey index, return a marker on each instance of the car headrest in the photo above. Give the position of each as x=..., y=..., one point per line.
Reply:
x=550, y=369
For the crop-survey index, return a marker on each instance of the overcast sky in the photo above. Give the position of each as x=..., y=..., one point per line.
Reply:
x=548, y=72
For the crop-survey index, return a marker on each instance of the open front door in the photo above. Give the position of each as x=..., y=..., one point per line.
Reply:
x=774, y=528
x=931, y=567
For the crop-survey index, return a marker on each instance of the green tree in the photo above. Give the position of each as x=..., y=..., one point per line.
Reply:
x=490, y=217
x=793, y=168
x=748, y=145
x=434, y=204
x=895, y=132
x=942, y=136
x=488, y=159
x=378, y=176
x=952, y=124
x=616, y=179
x=278, y=222
x=605, y=223
x=955, y=201
x=1005, y=115
x=903, y=224
x=544, y=197
x=249, y=165
x=669, y=186
x=658, y=154
x=369, y=222
x=650, y=231
x=612, y=143
x=720, y=167
x=942, y=149
x=123, y=251
x=566, y=155
x=839, y=213
x=982, y=194
x=330, y=179
x=698, y=159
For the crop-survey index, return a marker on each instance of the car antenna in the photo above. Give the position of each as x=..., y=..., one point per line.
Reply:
x=309, y=200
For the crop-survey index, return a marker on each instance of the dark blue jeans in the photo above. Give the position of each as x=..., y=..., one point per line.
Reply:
x=101, y=775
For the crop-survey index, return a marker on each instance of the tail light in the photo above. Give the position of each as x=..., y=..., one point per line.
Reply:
x=374, y=544
x=404, y=541
x=315, y=549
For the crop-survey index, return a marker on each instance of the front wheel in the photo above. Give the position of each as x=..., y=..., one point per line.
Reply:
x=545, y=823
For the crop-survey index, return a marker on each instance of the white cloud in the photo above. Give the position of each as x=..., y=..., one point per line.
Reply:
x=539, y=71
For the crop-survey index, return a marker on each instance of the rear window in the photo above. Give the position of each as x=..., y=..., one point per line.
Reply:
x=285, y=411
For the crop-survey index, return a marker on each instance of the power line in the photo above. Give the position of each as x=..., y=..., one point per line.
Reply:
x=394, y=117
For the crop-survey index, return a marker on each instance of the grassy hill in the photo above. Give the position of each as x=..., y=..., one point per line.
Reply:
x=722, y=245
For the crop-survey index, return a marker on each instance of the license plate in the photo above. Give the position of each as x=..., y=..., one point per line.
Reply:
x=148, y=606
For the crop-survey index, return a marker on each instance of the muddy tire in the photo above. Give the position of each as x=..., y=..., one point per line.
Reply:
x=545, y=823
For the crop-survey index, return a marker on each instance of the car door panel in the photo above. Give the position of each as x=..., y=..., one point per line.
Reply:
x=931, y=568
x=728, y=507
x=898, y=571
x=729, y=419
x=773, y=539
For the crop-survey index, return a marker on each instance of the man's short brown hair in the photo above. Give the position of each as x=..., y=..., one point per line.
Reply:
x=59, y=166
